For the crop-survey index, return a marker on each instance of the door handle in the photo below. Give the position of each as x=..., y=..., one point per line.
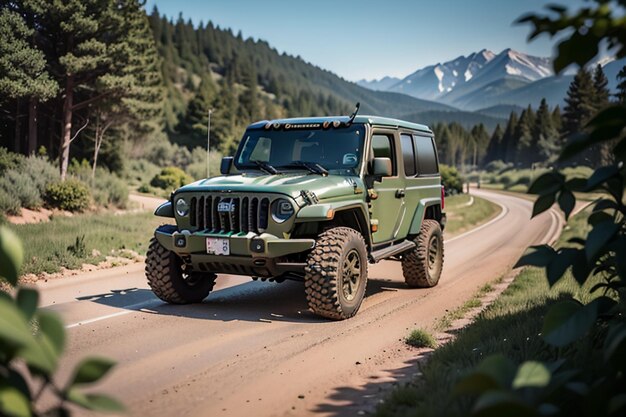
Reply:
x=400, y=193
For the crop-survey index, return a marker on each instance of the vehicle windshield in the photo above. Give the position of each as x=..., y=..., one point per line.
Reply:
x=337, y=151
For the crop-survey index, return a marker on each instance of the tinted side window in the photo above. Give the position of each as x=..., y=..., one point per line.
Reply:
x=382, y=146
x=408, y=155
x=426, y=157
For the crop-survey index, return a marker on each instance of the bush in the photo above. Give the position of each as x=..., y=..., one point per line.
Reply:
x=421, y=339
x=40, y=171
x=8, y=203
x=170, y=178
x=71, y=195
x=10, y=160
x=21, y=189
x=109, y=190
x=451, y=179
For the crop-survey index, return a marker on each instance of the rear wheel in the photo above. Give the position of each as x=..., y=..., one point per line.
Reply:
x=336, y=273
x=169, y=282
x=422, y=265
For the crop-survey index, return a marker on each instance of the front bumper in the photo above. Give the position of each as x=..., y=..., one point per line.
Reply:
x=250, y=245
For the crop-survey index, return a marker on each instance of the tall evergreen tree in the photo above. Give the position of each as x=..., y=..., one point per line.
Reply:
x=545, y=134
x=580, y=103
x=526, y=147
x=602, y=93
x=509, y=143
x=494, y=149
x=23, y=74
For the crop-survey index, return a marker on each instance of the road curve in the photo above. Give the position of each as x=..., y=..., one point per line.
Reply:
x=252, y=348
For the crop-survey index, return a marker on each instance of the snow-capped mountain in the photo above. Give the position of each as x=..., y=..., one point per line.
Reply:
x=451, y=81
x=437, y=80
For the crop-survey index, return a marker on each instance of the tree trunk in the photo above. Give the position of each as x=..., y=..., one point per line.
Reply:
x=32, y=125
x=66, y=133
x=16, y=139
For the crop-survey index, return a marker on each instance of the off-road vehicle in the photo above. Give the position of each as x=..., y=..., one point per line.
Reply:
x=309, y=199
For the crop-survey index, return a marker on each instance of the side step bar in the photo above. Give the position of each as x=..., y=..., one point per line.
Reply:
x=384, y=253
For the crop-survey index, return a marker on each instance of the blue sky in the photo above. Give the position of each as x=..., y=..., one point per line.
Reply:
x=371, y=39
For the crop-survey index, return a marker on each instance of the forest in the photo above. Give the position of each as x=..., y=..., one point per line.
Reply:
x=104, y=83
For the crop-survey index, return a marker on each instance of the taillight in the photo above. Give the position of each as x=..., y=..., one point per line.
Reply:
x=443, y=197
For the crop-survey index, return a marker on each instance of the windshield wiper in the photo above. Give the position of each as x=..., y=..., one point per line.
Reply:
x=313, y=167
x=264, y=166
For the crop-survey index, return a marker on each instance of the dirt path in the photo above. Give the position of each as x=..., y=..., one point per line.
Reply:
x=252, y=348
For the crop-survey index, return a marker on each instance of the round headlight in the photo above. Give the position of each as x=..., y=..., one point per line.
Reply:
x=182, y=207
x=282, y=210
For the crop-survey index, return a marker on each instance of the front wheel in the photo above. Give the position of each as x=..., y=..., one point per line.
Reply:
x=169, y=282
x=336, y=274
x=422, y=265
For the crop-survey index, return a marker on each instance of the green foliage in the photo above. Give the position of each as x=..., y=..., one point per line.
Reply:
x=170, y=178
x=21, y=189
x=71, y=195
x=451, y=179
x=421, y=339
x=558, y=387
x=10, y=160
x=31, y=344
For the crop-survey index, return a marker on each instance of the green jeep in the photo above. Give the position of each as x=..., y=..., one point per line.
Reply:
x=308, y=199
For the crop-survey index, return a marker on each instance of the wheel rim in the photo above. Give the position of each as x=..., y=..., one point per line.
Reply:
x=351, y=275
x=433, y=255
x=191, y=279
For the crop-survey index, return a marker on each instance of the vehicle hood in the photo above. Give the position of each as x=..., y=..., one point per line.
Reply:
x=290, y=184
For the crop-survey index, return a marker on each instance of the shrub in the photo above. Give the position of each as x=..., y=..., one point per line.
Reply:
x=451, y=179
x=21, y=188
x=40, y=171
x=420, y=339
x=8, y=203
x=140, y=171
x=170, y=178
x=71, y=195
x=10, y=160
x=109, y=190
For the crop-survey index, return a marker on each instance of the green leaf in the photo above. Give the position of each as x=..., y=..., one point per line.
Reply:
x=532, y=374
x=599, y=236
x=95, y=402
x=14, y=328
x=550, y=182
x=11, y=255
x=567, y=322
x=27, y=300
x=540, y=255
x=567, y=201
x=91, y=370
x=500, y=368
x=576, y=184
x=13, y=402
x=600, y=176
x=41, y=357
x=499, y=404
x=598, y=217
x=476, y=383
x=543, y=203
x=52, y=328
x=563, y=259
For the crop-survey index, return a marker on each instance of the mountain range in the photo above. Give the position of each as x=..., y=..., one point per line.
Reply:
x=484, y=80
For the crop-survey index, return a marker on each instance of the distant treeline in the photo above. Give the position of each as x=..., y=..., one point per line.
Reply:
x=534, y=137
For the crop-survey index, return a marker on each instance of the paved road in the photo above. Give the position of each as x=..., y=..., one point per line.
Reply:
x=252, y=348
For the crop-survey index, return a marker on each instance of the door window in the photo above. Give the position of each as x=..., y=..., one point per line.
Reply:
x=426, y=156
x=382, y=145
x=408, y=155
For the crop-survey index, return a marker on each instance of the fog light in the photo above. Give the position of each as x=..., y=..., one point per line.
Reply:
x=180, y=241
x=257, y=245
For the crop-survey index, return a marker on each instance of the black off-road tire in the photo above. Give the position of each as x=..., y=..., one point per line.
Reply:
x=420, y=266
x=169, y=283
x=329, y=292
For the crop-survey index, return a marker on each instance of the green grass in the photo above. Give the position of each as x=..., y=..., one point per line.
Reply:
x=511, y=326
x=70, y=241
x=421, y=339
x=462, y=218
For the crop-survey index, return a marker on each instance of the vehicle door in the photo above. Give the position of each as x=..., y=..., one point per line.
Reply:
x=387, y=192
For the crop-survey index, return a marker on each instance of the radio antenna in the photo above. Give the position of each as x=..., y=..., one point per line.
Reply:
x=353, y=115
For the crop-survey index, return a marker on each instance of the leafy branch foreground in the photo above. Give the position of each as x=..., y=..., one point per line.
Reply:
x=31, y=343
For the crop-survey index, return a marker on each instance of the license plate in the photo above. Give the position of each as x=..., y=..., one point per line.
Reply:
x=217, y=246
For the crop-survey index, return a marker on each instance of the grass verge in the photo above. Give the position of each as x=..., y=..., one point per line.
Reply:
x=87, y=238
x=462, y=217
x=511, y=325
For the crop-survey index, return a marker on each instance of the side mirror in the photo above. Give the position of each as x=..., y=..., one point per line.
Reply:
x=226, y=165
x=383, y=167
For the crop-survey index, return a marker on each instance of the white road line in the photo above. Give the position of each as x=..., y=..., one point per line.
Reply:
x=504, y=212
x=470, y=202
x=133, y=308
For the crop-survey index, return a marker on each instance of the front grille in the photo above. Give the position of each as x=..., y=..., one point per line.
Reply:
x=223, y=214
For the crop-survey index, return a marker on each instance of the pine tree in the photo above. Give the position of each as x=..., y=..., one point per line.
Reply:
x=479, y=141
x=545, y=134
x=509, y=145
x=249, y=100
x=494, y=148
x=526, y=147
x=223, y=122
x=602, y=94
x=580, y=103
x=23, y=73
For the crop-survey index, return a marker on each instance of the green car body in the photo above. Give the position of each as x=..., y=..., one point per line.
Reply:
x=269, y=223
